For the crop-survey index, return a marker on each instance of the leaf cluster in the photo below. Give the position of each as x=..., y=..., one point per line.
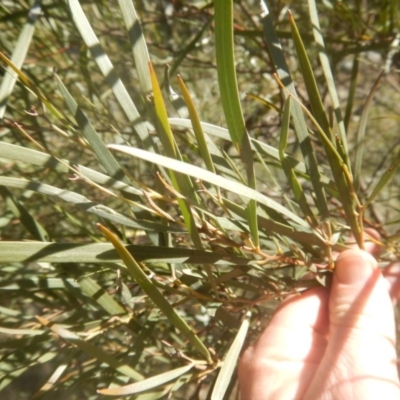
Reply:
x=150, y=222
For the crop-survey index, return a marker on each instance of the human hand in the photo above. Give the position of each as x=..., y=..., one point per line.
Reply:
x=328, y=344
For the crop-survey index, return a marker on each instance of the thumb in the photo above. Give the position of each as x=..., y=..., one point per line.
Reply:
x=361, y=353
x=359, y=298
x=362, y=326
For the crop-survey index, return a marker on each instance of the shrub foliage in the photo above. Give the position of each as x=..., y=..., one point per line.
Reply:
x=152, y=221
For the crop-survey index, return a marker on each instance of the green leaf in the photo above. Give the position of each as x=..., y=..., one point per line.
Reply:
x=18, y=56
x=208, y=176
x=138, y=44
x=352, y=93
x=104, y=253
x=299, y=122
x=87, y=205
x=344, y=182
x=31, y=86
x=337, y=154
x=108, y=71
x=20, y=212
x=100, y=149
x=165, y=133
x=91, y=350
x=181, y=183
x=34, y=157
x=147, y=384
x=56, y=375
x=310, y=82
x=264, y=148
x=360, y=143
x=91, y=289
x=298, y=234
x=287, y=167
x=223, y=20
x=32, y=283
x=28, y=332
x=384, y=179
x=218, y=157
x=196, y=124
x=155, y=295
x=229, y=364
x=326, y=68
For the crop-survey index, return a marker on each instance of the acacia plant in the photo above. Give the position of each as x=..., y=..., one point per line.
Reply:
x=142, y=246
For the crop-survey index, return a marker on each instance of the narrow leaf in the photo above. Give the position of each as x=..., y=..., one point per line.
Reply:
x=105, y=253
x=181, y=182
x=325, y=63
x=343, y=180
x=34, y=157
x=56, y=375
x=155, y=295
x=351, y=92
x=287, y=167
x=264, y=148
x=229, y=364
x=138, y=44
x=18, y=56
x=31, y=86
x=166, y=136
x=87, y=205
x=91, y=289
x=90, y=349
x=28, y=332
x=103, y=154
x=360, y=144
x=336, y=158
x=384, y=179
x=207, y=176
x=197, y=129
x=223, y=19
x=108, y=71
x=147, y=384
x=20, y=212
x=34, y=283
x=299, y=122
x=310, y=82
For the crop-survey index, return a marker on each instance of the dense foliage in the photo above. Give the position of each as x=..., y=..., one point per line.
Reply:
x=151, y=223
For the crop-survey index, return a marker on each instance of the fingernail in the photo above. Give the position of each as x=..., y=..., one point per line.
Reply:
x=354, y=266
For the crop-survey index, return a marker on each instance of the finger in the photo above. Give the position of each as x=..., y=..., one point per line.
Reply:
x=373, y=246
x=282, y=362
x=392, y=275
x=362, y=329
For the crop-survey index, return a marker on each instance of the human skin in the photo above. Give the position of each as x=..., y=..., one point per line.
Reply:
x=328, y=344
